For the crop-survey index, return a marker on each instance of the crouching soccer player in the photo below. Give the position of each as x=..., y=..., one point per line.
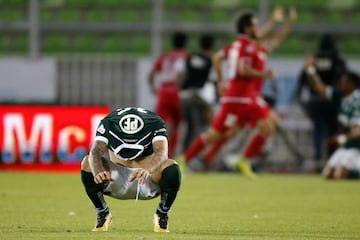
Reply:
x=138, y=166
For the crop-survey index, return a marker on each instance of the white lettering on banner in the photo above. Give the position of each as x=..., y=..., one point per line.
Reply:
x=39, y=137
x=14, y=131
x=64, y=143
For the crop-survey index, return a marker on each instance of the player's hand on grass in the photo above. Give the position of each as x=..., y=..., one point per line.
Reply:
x=103, y=176
x=140, y=174
x=292, y=14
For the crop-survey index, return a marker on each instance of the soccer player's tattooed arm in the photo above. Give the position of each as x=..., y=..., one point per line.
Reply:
x=158, y=157
x=96, y=163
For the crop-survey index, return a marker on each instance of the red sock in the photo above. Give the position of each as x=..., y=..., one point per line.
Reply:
x=255, y=145
x=209, y=156
x=195, y=148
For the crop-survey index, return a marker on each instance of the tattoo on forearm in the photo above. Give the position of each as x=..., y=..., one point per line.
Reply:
x=97, y=151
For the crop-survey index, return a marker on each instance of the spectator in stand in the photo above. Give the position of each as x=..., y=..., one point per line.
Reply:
x=330, y=66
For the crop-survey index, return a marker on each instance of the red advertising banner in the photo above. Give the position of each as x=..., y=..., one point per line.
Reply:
x=47, y=134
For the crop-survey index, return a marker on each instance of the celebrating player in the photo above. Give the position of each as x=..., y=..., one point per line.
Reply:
x=167, y=88
x=264, y=47
x=137, y=166
x=238, y=102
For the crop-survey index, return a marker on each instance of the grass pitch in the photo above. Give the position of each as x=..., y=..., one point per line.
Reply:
x=209, y=206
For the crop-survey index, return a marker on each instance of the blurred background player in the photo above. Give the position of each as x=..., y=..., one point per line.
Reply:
x=138, y=166
x=330, y=66
x=194, y=73
x=254, y=147
x=238, y=104
x=345, y=161
x=163, y=83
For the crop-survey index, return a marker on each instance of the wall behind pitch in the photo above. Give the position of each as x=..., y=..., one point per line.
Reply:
x=23, y=80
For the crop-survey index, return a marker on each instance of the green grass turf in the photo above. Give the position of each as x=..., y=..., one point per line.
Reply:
x=209, y=206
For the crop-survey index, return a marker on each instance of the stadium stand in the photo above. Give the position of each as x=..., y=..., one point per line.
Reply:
x=175, y=13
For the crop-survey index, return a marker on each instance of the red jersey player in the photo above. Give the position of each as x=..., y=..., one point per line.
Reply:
x=238, y=101
x=256, y=143
x=163, y=82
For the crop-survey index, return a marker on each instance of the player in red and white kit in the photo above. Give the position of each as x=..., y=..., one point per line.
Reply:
x=256, y=143
x=238, y=102
x=163, y=83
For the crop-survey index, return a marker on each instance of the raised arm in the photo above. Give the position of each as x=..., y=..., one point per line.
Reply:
x=313, y=78
x=277, y=16
x=284, y=30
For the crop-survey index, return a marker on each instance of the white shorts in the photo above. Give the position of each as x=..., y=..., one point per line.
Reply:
x=348, y=158
x=122, y=188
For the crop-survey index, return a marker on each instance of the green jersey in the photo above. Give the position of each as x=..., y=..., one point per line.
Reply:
x=349, y=115
x=129, y=132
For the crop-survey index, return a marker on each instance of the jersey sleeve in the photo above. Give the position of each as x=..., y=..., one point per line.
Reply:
x=158, y=64
x=355, y=118
x=179, y=65
x=160, y=131
x=101, y=132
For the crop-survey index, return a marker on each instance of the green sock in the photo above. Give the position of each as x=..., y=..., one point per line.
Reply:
x=169, y=186
x=94, y=191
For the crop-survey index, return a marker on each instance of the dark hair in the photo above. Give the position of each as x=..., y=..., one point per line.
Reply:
x=327, y=44
x=179, y=40
x=206, y=41
x=245, y=20
x=353, y=78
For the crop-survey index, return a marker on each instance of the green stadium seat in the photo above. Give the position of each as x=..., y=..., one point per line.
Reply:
x=188, y=16
x=5, y=43
x=10, y=15
x=333, y=18
x=355, y=19
x=218, y=16
x=112, y=44
x=68, y=16
x=174, y=4
x=55, y=44
x=291, y=46
x=129, y=16
x=46, y=15
x=96, y=16
x=350, y=45
x=249, y=4
x=341, y=5
x=107, y=3
x=21, y=44
x=221, y=4
x=80, y=3
x=141, y=44
x=203, y=4
x=85, y=44
x=15, y=3
x=306, y=17
x=136, y=3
